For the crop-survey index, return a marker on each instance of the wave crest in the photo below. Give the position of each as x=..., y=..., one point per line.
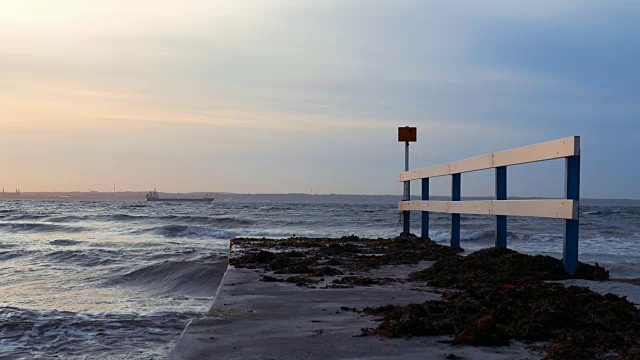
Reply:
x=65, y=242
x=194, y=278
x=41, y=227
x=85, y=258
x=188, y=231
x=38, y=334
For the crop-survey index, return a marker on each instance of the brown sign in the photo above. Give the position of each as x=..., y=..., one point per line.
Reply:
x=407, y=134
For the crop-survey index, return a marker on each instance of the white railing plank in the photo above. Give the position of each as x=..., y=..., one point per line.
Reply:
x=557, y=209
x=555, y=149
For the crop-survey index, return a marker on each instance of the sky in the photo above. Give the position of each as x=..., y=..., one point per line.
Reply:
x=276, y=96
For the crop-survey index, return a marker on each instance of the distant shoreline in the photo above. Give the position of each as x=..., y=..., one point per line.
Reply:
x=267, y=198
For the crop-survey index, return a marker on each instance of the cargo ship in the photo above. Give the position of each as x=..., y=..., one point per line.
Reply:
x=154, y=196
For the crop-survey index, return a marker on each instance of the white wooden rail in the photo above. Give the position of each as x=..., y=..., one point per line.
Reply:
x=556, y=149
x=567, y=209
x=559, y=209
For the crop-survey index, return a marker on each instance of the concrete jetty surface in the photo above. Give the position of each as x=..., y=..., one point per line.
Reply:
x=256, y=319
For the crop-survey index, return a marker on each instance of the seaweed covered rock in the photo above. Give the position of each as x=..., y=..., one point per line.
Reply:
x=406, y=249
x=291, y=262
x=579, y=323
x=350, y=252
x=497, y=265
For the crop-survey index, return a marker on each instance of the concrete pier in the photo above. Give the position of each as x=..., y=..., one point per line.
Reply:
x=255, y=319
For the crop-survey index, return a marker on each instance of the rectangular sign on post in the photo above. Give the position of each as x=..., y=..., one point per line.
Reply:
x=407, y=134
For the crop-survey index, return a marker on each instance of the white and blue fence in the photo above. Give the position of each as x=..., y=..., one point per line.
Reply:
x=567, y=209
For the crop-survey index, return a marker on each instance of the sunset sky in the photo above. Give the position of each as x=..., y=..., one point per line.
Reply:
x=289, y=95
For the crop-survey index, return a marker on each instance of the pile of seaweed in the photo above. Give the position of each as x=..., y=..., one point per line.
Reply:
x=284, y=262
x=497, y=265
x=306, y=255
x=502, y=296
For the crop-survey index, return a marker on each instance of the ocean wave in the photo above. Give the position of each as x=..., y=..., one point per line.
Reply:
x=194, y=277
x=41, y=227
x=29, y=334
x=68, y=218
x=187, y=231
x=207, y=220
x=614, y=211
x=9, y=255
x=444, y=236
x=85, y=257
x=26, y=217
x=601, y=212
x=136, y=206
x=65, y=242
x=286, y=233
x=108, y=218
x=121, y=217
x=226, y=221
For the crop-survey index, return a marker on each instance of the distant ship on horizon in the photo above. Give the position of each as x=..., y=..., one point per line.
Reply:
x=154, y=196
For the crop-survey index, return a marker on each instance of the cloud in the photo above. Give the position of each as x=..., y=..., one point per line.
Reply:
x=319, y=77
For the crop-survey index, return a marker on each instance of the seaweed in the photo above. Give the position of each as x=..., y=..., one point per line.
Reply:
x=499, y=295
x=579, y=322
x=350, y=252
x=497, y=265
x=291, y=262
x=503, y=296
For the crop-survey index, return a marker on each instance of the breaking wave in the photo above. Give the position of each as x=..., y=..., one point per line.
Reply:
x=194, y=278
x=29, y=334
x=188, y=231
x=442, y=236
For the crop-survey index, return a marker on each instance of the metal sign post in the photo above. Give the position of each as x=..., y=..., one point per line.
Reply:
x=406, y=134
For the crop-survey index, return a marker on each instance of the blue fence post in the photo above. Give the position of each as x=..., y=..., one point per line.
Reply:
x=455, y=218
x=425, y=214
x=406, y=215
x=571, y=227
x=501, y=194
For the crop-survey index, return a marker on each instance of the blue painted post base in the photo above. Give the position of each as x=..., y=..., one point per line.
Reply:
x=425, y=214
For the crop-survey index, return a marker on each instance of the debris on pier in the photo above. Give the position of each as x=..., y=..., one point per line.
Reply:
x=488, y=298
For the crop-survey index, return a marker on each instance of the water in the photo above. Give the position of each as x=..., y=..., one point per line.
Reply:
x=119, y=280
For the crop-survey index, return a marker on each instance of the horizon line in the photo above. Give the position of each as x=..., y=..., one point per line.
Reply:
x=292, y=193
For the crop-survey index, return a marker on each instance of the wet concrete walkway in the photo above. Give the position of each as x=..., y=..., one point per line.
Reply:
x=254, y=319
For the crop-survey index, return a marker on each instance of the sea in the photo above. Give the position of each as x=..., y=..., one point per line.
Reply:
x=120, y=280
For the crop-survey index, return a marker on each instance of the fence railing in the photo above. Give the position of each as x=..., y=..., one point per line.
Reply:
x=567, y=209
